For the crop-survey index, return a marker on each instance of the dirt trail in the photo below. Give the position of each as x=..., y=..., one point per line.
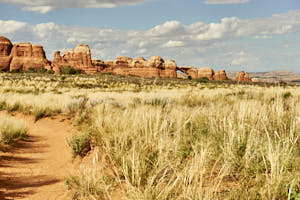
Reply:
x=37, y=168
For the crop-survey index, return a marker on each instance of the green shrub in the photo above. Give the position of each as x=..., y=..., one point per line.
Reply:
x=31, y=70
x=80, y=144
x=202, y=80
x=15, y=71
x=287, y=95
x=41, y=70
x=50, y=71
x=70, y=70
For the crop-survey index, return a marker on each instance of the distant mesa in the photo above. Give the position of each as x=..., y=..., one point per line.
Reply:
x=24, y=56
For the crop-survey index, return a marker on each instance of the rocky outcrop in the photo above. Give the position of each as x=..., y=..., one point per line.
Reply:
x=78, y=58
x=191, y=72
x=139, y=62
x=247, y=77
x=242, y=77
x=255, y=80
x=170, y=68
x=26, y=56
x=154, y=67
x=181, y=75
x=21, y=56
x=220, y=75
x=5, y=50
x=207, y=72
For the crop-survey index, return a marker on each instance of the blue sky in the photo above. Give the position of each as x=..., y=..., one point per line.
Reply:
x=250, y=35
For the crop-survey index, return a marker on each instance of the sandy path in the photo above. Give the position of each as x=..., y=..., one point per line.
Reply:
x=37, y=168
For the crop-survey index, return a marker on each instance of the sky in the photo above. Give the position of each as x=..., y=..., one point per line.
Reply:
x=234, y=35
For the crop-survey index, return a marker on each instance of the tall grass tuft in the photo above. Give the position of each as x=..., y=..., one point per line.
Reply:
x=12, y=130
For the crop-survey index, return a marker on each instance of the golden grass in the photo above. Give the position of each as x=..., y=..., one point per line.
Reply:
x=198, y=141
x=11, y=130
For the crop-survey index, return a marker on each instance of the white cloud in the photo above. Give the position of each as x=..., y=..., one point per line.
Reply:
x=168, y=28
x=225, y=1
x=210, y=41
x=11, y=26
x=263, y=37
x=39, y=9
x=172, y=43
x=239, y=61
x=44, y=6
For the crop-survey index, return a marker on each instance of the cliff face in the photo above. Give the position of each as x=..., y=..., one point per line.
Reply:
x=78, y=58
x=26, y=56
x=5, y=49
x=23, y=56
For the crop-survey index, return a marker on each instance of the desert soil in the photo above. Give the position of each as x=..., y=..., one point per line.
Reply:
x=37, y=167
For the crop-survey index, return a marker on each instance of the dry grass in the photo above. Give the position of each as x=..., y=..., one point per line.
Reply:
x=11, y=130
x=177, y=141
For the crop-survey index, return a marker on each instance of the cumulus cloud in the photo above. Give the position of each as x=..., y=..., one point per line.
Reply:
x=172, y=40
x=11, y=26
x=44, y=6
x=225, y=1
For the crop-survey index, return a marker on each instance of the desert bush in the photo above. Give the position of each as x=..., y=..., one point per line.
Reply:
x=80, y=144
x=12, y=130
x=70, y=70
x=286, y=95
x=202, y=80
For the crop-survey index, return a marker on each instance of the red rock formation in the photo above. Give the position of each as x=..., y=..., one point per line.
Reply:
x=154, y=67
x=191, y=72
x=123, y=62
x=5, y=49
x=220, y=75
x=242, y=77
x=79, y=58
x=139, y=62
x=181, y=75
x=169, y=70
x=206, y=72
x=99, y=64
x=247, y=77
x=25, y=56
x=255, y=80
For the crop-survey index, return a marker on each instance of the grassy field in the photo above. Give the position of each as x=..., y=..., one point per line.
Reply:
x=169, y=139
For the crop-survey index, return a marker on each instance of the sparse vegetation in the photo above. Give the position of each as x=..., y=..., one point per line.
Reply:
x=80, y=144
x=11, y=130
x=70, y=70
x=168, y=139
